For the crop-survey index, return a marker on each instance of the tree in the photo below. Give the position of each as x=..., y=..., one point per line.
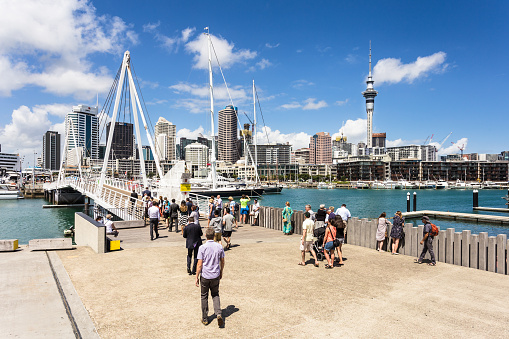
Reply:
x=304, y=176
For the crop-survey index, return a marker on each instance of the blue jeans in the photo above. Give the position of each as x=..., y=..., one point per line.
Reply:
x=329, y=246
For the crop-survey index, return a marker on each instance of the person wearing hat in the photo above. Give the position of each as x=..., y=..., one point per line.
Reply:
x=320, y=217
x=427, y=241
x=256, y=211
x=110, y=227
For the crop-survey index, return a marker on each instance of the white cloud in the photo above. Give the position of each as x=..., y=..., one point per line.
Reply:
x=311, y=104
x=351, y=58
x=397, y=142
x=24, y=133
x=226, y=52
x=268, y=45
x=392, y=70
x=187, y=33
x=452, y=148
x=308, y=104
x=264, y=63
x=342, y=102
x=297, y=140
x=187, y=133
x=354, y=130
x=59, y=110
x=170, y=43
x=47, y=43
x=291, y=105
x=298, y=84
x=220, y=92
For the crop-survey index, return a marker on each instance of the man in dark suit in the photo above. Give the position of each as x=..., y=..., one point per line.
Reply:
x=133, y=198
x=193, y=234
x=174, y=215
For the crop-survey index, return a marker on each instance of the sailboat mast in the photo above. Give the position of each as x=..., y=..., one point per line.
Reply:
x=254, y=135
x=212, y=129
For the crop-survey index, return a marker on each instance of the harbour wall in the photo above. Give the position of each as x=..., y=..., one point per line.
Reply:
x=478, y=251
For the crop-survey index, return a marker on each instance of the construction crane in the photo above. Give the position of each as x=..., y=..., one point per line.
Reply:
x=445, y=139
x=429, y=139
x=461, y=148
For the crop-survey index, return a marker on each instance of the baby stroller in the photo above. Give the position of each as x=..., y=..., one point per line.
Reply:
x=319, y=233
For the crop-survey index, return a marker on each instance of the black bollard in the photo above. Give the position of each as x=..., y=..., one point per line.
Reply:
x=415, y=201
x=476, y=198
x=408, y=202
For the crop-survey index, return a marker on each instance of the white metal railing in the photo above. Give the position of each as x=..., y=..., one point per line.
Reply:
x=202, y=202
x=126, y=207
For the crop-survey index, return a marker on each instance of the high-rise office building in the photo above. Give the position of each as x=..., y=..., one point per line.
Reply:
x=51, y=151
x=303, y=154
x=320, y=149
x=185, y=141
x=163, y=126
x=147, y=153
x=227, y=135
x=246, y=134
x=122, y=145
x=82, y=131
x=197, y=155
x=370, y=95
x=271, y=153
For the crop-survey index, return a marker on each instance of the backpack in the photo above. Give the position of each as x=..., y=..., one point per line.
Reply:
x=237, y=206
x=434, y=230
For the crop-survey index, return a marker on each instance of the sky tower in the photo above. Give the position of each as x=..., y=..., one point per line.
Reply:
x=370, y=95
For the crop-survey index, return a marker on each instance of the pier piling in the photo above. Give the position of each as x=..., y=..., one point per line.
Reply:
x=408, y=202
x=415, y=201
x=476, y=198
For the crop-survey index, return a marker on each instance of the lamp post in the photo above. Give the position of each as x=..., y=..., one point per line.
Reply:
x=33, y=172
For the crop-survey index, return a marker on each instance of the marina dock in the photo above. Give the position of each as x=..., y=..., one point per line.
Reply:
x=492, y=209
x=492, y=219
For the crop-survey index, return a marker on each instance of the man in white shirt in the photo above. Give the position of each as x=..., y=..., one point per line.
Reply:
x=256, y=211
x=344, y=213
x=154, y=215
x=311, y=213
x=110, y=228
x=306, y=241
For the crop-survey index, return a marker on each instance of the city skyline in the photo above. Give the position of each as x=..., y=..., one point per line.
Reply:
x=431, y=79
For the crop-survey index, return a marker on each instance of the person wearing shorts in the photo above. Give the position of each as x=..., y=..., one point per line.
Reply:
x=306, y=241
x=227, y=227
x=216, y=224
x=244, y=210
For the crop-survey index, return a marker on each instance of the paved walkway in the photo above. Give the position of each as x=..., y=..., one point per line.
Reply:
x=31, y=305
x=144, y=291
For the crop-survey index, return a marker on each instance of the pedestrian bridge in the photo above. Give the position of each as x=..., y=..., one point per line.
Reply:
x=115, y=195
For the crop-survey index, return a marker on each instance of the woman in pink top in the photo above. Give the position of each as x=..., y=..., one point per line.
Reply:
x=328, y=243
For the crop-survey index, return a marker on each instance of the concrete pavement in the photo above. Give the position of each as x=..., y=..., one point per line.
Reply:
x=144, y=291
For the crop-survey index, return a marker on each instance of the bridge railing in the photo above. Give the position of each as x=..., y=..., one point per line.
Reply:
x=127, y=208
x=202, y=202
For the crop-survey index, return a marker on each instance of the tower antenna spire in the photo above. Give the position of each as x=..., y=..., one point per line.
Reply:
x=369, y=57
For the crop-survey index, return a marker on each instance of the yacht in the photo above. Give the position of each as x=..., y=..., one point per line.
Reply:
x=322, y=185
x=442, y=184
x=458, y=185
x=430, y=184
x=9, y=192
x=378, y=185
x=362, y=185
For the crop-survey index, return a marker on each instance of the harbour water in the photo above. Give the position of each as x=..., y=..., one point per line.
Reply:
x=25, y=219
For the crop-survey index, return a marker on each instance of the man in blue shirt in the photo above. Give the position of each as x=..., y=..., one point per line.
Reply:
x=209, y=273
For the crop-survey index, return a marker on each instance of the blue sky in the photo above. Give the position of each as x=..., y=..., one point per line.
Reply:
x=439, y=67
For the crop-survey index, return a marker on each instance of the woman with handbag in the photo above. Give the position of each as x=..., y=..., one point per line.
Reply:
x=381, y=231
x=328, y=243
x=397, y=231
x=287, y=219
